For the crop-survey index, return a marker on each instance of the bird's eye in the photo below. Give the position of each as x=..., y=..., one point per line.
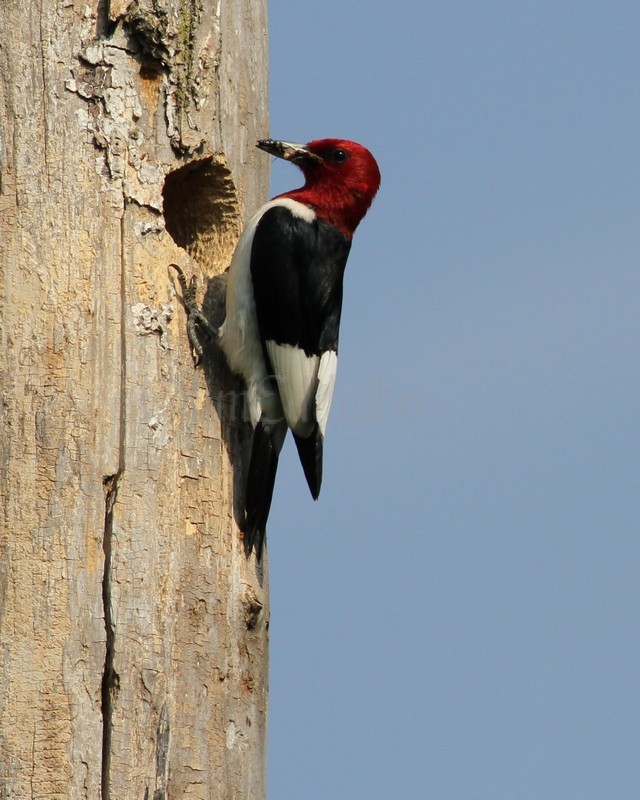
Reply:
x=338, y=156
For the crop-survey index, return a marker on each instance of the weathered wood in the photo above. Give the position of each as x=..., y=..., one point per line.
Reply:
x=133, y=631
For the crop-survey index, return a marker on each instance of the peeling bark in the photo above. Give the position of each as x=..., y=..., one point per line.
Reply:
x=133, y=630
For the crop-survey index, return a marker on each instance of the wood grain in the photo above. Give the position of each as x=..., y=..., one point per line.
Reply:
x=133, y=630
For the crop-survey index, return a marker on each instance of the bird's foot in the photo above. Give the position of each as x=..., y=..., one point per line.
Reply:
x=198, y=326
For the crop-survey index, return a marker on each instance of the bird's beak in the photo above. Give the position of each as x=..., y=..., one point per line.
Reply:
x=296, y=153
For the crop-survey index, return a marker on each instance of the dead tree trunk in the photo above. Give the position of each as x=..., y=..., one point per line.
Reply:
x=133, y=630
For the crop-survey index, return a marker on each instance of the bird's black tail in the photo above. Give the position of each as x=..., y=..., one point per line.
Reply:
x=265, y=449
x=310, y=453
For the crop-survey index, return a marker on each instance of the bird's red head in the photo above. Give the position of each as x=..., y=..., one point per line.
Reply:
x=341, y=178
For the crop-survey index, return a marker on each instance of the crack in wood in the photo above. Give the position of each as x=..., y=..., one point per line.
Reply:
x=110, y=678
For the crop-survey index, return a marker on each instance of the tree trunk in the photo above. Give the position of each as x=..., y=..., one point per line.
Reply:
x=133, y=630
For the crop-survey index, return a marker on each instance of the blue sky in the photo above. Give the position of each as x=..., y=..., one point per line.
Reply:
x=457, y=616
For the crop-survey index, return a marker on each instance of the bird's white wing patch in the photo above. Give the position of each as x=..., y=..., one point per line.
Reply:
x=326, y=381
x=297, y=377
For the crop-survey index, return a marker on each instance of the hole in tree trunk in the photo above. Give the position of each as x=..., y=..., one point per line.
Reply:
x=201, y=211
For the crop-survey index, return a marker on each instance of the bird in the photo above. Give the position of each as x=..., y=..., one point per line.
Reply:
x=283, y=307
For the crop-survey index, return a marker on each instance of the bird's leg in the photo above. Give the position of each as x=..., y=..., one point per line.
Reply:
x=197, y=323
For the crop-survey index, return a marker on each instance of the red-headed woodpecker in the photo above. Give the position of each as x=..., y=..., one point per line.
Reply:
x=284, y=298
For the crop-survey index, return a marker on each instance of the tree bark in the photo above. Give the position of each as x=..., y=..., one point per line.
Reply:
x=133, y=630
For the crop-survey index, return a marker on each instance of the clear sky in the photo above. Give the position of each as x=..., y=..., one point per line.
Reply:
x=458, y=616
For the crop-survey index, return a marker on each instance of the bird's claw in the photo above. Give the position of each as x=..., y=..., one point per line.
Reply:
x=197, y=323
